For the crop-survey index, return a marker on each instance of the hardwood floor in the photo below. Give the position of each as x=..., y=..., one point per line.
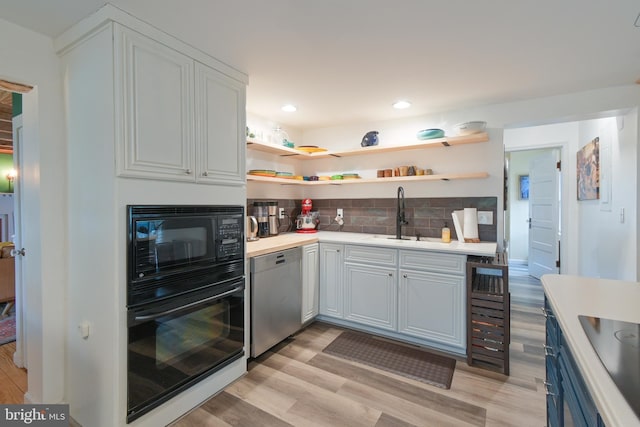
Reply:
x=12, y=378
x=295, y=384
x=524, y=288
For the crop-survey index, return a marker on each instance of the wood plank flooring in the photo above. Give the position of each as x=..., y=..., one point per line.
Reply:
x=13, y=380
x=295, y=384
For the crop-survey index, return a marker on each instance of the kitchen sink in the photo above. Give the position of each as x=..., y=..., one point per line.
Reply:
x=408, y=238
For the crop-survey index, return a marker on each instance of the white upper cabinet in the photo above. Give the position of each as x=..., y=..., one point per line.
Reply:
x=178, y=119
x=154, y=90
x=220, y=127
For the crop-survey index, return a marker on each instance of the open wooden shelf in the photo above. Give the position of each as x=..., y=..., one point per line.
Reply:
x=439, y=177
x=254, y=144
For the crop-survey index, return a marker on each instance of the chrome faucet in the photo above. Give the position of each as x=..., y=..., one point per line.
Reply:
x=400, y=215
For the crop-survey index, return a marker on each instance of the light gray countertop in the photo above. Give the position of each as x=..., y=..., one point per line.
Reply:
x=571, y=296
x=290, y=240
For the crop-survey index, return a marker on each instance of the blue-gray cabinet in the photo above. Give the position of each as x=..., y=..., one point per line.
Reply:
x=568, y=400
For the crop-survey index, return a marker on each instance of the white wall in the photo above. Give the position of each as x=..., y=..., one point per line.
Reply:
x=606, y=241
x=501, y=118
x=594, y=241
x=28, y=57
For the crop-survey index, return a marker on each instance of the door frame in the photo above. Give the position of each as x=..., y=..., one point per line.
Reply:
x=20, y=355
x=563, y=146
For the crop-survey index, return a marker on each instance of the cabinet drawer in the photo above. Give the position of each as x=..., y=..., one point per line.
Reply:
x=370, y=255
x=433, y=261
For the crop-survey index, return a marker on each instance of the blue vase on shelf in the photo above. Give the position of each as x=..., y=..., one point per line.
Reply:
x=370, y=138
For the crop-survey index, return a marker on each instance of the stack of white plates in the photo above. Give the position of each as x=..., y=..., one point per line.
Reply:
x=469, y=128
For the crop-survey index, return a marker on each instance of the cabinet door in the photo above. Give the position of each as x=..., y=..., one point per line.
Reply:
x=432, y=306
x=371, y=295
x=310, y=281
x=220, y=127
x=331, y=279
x=154, y=96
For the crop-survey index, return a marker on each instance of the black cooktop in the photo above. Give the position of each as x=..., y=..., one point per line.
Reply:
x=617, y=344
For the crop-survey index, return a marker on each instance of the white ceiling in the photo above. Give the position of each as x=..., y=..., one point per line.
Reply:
x=346, y=61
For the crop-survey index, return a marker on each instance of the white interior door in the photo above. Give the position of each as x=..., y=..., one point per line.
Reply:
x=19, y=357
x=544, y=214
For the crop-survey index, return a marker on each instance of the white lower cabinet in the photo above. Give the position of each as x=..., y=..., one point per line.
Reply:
x=370, y=295
x=310, y=281
x=331, y=283
x=431, y=306
x=415, y=295
x=432, y=297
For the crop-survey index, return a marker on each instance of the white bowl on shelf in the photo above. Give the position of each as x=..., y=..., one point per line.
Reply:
x=469, y=128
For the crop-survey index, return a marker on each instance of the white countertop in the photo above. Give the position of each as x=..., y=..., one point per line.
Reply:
x=290, y=240
x=571, y=296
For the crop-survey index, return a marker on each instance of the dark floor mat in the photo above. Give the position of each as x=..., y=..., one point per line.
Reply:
x=400, y=359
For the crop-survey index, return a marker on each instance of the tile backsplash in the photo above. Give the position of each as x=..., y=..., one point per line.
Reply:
x=426, y=216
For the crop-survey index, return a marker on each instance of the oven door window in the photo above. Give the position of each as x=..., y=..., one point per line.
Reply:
x=180, y=342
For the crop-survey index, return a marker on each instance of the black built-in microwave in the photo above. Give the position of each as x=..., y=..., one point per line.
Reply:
x=176, y=249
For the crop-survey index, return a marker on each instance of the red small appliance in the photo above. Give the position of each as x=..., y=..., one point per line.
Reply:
x=307, y=221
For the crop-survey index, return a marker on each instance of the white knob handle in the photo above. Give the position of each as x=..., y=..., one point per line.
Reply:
x=16, y=252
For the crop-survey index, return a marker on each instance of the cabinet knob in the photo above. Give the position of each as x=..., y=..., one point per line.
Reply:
x=405, y=276
x=188, y=171
x=390, y=274
x=205, y=173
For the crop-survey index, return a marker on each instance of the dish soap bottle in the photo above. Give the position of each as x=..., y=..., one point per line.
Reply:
x=446, y=233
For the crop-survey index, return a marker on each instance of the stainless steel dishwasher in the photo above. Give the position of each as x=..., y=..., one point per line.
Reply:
x=276, y=298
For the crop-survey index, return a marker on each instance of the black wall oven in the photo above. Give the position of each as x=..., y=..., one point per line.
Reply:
x=185, y=298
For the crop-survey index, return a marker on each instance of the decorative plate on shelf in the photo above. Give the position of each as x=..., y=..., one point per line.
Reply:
x=310, y=148
x=350, y=176
x=262, y=172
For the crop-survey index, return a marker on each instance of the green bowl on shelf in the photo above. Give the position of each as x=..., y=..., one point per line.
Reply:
x=430, y=134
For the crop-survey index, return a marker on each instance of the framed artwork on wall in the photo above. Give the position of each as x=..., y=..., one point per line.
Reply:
x=588, y=171
x=524, y=187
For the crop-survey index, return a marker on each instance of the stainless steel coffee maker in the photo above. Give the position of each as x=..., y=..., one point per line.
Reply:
x=274, y=221
x=260, y=212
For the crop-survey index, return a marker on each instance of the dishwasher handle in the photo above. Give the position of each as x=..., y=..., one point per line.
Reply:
x=275, y=259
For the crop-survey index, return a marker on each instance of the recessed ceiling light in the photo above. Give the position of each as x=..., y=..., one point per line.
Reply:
x=400, y=105
x=289, y=108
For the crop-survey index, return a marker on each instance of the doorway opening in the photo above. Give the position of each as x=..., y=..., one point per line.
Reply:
x=532, y=220
x=12, y=343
